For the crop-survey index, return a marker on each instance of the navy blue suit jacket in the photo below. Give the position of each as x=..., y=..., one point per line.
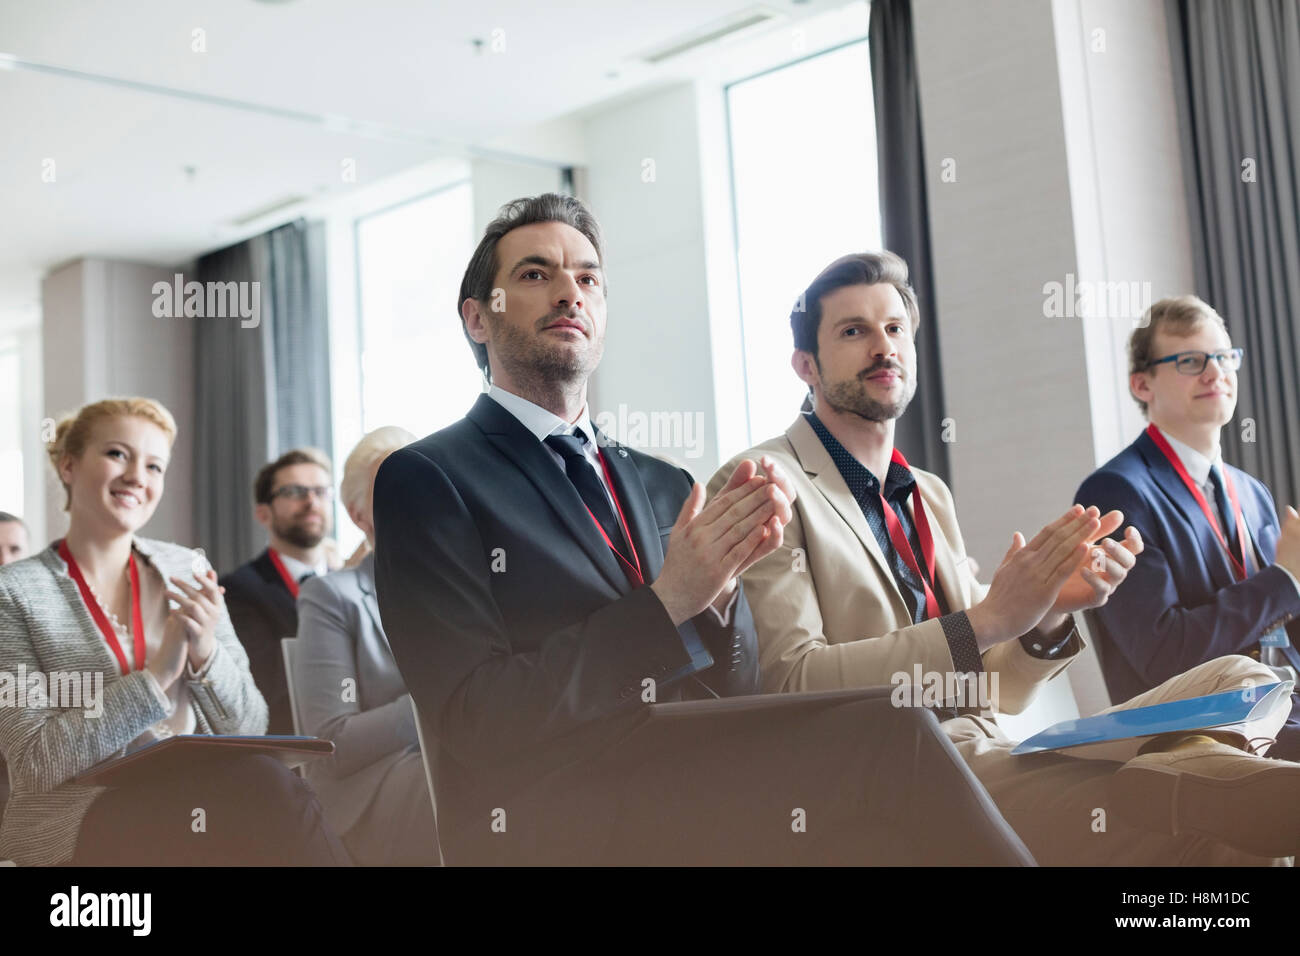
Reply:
x=519, y=637
x=1181, y=605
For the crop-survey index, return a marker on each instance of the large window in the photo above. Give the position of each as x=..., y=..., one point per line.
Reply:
x=416, y=368
x=803, y=164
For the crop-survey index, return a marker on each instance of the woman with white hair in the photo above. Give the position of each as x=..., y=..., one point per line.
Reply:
x=349, y=691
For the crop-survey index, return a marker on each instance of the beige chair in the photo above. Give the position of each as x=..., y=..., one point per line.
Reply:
x=1085, y=673
x=287, y=648
x=426, y=754
x=1082, y=693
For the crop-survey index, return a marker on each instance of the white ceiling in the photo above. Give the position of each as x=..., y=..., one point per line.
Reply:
x=117, y=97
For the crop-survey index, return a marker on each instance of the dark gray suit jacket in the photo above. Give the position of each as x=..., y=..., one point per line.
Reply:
x=519, y=636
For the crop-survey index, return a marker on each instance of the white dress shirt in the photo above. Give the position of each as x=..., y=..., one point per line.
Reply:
x=298, y=568
x=154, y=611
x=543, y=423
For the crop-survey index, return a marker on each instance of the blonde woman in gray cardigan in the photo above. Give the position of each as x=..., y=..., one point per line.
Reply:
x=109, y=640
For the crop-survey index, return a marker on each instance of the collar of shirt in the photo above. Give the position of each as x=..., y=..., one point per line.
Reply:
x=860, y=479
x=297, y=568
x=540, y=421
x=1197, y=465
x=543, y=423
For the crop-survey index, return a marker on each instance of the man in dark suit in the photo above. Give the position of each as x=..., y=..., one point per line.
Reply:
x=540, y=585
x=293, y=496
x=1197, y=594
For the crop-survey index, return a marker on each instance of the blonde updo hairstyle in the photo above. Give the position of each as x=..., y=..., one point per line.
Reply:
x=375, y=446
x=72, y=433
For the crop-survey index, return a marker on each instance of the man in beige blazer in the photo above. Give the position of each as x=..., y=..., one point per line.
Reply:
x=840, y=605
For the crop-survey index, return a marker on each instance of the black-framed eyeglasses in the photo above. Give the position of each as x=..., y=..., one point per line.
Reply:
x=300, y=492
x=1193, y=363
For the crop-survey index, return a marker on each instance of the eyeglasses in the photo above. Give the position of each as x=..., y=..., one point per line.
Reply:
x=1193, y=363
x=300, y=492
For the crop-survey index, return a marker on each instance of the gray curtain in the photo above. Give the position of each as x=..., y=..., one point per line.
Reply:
x=1237, y=80
x=905, y=221
x=295, y=292
x=259, y=390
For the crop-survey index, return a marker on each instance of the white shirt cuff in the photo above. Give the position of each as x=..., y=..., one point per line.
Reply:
x=192, y=674
x=725, y=616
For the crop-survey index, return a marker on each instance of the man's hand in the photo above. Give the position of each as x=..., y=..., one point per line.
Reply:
x=1288, y=542
x=1102, y=570
x=711, y=544
x=770, y=541
x=1028, y=582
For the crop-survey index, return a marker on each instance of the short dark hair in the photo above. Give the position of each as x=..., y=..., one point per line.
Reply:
x=481, y=273
x=264, y=483
x=6, y=516
x=858, y=268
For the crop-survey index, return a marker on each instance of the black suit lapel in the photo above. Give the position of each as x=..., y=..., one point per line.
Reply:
x=266, y=570
x=517, y=443
x=642, y=523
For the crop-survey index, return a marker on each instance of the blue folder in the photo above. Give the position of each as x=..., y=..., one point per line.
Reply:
x=1225, y=710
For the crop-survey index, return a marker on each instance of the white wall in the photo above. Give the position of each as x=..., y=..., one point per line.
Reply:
x=496, y=182
x=1067, y=161
x=1014, y=381
x=36, y=471
x=644, y=183
x=101, y=339
x=1126, y=179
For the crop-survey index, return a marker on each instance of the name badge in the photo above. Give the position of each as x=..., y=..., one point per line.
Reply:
x=1275, y=638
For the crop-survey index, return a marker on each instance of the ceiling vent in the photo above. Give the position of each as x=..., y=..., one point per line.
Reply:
x=270, y=209
x=742, y=20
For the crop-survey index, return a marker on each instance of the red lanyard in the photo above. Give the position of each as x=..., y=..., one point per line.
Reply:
x=101, y=619
x=631, y=568
x=289, y=582
x=1238, y=563
x=924, y=537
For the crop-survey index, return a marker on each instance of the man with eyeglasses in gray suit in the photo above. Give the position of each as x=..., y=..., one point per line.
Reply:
x=1221, y=573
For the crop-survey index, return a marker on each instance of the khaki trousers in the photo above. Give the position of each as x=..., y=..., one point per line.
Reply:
x=1058, y=804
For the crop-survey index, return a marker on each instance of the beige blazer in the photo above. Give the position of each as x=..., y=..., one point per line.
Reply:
x=828, y=611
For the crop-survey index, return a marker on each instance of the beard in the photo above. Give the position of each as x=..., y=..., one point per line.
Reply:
x=299, y=535
x=850, y=395
x=529, y=357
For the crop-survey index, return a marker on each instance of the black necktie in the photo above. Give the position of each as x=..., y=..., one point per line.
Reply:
x=580, y=471
x=1226, y=516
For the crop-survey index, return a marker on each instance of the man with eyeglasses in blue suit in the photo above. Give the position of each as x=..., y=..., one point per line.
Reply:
x=1220, y=574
